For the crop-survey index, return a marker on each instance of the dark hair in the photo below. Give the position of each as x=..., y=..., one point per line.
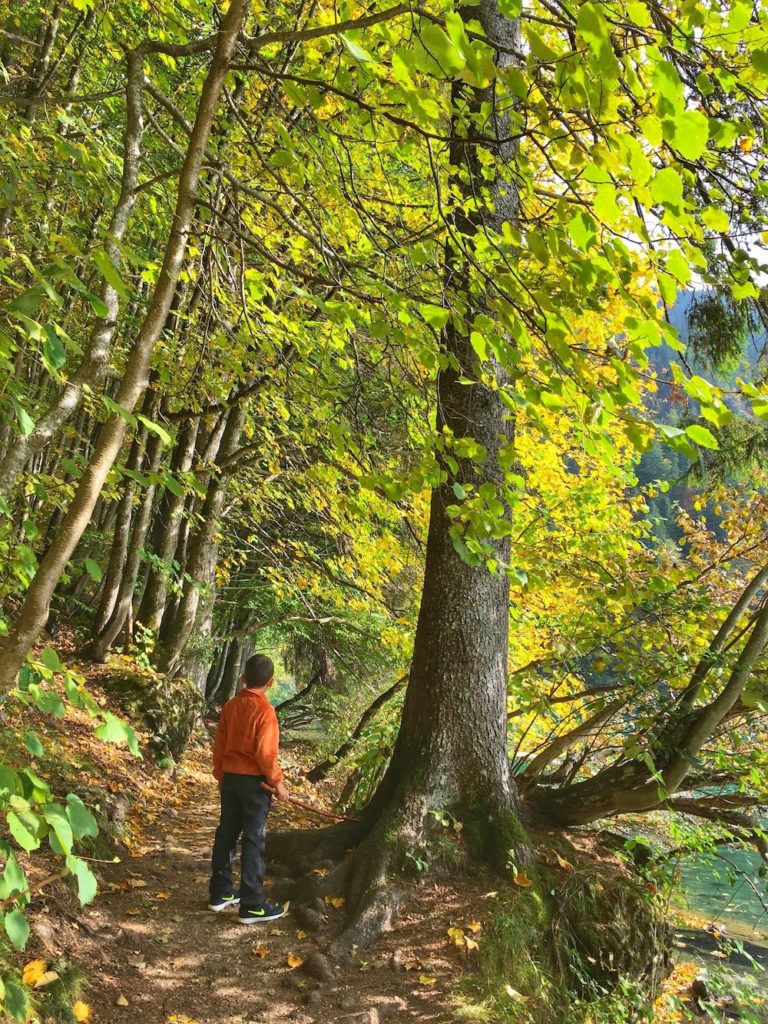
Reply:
x=258, y=670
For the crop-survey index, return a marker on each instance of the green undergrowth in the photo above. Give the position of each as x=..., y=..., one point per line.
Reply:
x=587, y=948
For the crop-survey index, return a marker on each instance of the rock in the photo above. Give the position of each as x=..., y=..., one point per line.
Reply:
x=291, y=981
x=366, y=1017
x=313, y=998
x=309, y=919
x=317, y=966
x=170, y=708
x=318, y=905
x=348, y=1002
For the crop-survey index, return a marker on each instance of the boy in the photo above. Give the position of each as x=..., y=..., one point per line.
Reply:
x=244, y=757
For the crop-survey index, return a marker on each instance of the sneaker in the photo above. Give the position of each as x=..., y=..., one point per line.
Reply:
x=264, y=912
x=223, y=902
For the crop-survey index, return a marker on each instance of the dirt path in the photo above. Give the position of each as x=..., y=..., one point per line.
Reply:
x=156, y=955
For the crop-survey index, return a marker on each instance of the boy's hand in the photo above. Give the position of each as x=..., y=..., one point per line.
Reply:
x=280, y=792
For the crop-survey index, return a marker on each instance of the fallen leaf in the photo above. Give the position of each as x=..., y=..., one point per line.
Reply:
x=163, y=895
x=471, y=943
x=32, y=971
x=121, y=1000
x=474, y=927
x=456, y=936
x=46, y=979
x=514, y=994
x=599, y=887
x=136, y=883
x=260, y=951
x=302, y=935
x=335, y=901
x=320, y=872
x=133, y=910
x=522, y=879
x=427, y=979
x=564, y=864
x=294, y=961
x=81, y=1011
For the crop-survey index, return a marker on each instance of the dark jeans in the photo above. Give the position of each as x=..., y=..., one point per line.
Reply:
x=244, y=809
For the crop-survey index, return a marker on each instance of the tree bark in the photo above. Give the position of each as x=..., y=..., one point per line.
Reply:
x=166, y=532
x=201, y=555
x=35, y=609
x=95, y=362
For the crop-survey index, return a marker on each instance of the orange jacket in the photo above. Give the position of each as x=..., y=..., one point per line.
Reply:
x=247, y=738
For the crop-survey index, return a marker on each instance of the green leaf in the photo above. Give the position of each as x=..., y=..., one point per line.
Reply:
x=53, y=349
x=26, y=422
x=13, y=880
x=87, y=885
x=715, y=218
x=357, y=51
x=57, y=818
x=33, y=744
x=98, y=305
x=93, y=570
x=16, y=928
x=50, y=659
x=155, y=428
x=22, y=832
x=581, y=228
x=9, y=780
x=80, y=818
x=435, y=316
x=667, y=187
x=702, y=436
x=691, y=134
x=110, y=272
x=759, y=59
x=115, y=731
x=16, y=1000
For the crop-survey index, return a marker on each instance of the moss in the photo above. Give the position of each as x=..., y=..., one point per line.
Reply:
x=594, y=948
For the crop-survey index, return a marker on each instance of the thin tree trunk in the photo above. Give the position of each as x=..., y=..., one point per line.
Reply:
x=119, y=549
x=122, y=611
x=34, y=611
x=199, y=557
x=95, y=362
x=166, y=532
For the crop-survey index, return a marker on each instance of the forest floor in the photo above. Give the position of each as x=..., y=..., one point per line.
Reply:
x=156, y=955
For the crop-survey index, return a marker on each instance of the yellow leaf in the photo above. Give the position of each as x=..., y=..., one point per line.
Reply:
x=522, y=879
x=514, y=994
x=456, y=935
x=564, y=864
x=133, y=910
x=335, y=901
x=294, y=961
x=302, y=935
x=426, y=979
x=412, y=965
x=32, y=971
x=260, y=951
x=474, y=927
x=46, y=979
x=320, y=872
x=163, y=895
x=81, y=1011
x=599, y=887
x=471, y=943
x=121, y=1000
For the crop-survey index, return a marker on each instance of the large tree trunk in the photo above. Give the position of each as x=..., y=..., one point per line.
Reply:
x=451, y=751
x=34, y=612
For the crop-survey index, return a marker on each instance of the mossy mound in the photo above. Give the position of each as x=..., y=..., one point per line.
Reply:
x=610, y=927
x=582, y=943
x=169, y=708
